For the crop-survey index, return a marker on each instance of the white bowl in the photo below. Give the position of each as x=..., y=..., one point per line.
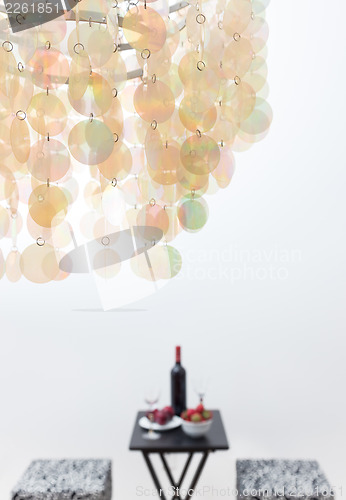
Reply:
x=196, y=429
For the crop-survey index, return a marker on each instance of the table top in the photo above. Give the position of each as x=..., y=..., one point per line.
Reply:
x=175, y=441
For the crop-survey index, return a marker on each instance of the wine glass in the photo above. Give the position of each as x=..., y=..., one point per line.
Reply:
x=200, y=386
x=152, y=396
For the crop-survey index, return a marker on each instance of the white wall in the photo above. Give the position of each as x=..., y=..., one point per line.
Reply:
x=72, y=377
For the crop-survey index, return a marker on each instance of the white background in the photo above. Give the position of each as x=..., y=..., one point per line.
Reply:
x=271, y=333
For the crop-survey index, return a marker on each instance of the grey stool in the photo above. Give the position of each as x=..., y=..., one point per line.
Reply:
x=280, y=479
x=65, y=480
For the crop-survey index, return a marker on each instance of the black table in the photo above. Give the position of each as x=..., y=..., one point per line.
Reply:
x=175, y=441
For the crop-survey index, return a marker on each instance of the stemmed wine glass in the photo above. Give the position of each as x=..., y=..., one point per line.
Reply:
x=152, y=396
x=200, y=386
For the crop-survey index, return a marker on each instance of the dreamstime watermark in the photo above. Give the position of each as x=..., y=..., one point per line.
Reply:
x=228, y=492
x=234, y=264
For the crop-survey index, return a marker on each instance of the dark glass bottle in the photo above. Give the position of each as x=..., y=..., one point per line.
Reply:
x=178, y=384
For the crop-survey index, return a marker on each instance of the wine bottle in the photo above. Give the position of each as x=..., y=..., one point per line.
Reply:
x=178, y=384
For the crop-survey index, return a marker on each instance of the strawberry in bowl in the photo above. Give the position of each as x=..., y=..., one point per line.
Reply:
x=196, y=422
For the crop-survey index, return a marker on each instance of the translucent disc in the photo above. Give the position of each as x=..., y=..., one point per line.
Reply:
x=259, y=120
x=91, y=142
x=21, y=96
x=175, y=262
x=106, y=263
x=7, y=183
x=237, y=59
x=48, y=205
x=113, y=205
x=237, y=16
x=114, y=117
x=54, y=31
x=194, y=116
x=241, y=104
x=9, y=80
x=102, y=227
x=153, y=215
x=87, y=224
x=192, y=182
x=200, y=155
x=39, y=263
x=13, y=271
x=98, y=8
x=4, y=222
x=118, y=165
x=150, y=190
x=47, y=114
x=158, y=62
x=174, y=226
x=5, y=141
x=200, y=76
x=173, y=81
x=115, y=71
x=93, y=195
x=78, y=79
x=131, y=192
x=36, y=231
x=97, y=98
x=95, y=40
x=192, y=213
x=27, y=44
x=164, y=170
x=224, y=130
x=154, y=265
x=135, y=129
x=49, y=68
x=49, y=160
x=223, y=173
x=163, y=159
x=144, y=29
x=20, y=140
x=257, y=32
x=154, y=101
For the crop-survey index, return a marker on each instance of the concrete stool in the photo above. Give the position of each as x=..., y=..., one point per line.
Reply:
x=273, y=479
x=65, y=480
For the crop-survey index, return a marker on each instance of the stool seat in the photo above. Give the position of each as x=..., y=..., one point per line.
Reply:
x=273, y=479
x=65, y=480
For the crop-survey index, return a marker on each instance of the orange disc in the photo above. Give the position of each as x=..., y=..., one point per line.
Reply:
x=144, y=29
x=118, y=165
x=153, y=215
x=47, y=114
x=48, y=205
x=154, y=101
x=194, y=116
x=97, y=98
x=49, y=68
x=200, y=155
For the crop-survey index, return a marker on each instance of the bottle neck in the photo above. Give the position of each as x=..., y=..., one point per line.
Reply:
x=178, y=355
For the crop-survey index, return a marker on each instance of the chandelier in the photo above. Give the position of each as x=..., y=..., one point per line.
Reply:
x=118, y=120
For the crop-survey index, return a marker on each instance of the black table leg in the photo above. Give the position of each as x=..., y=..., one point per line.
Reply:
x=183, y=474
x=177, y=485
x=197, y=474
x=153, y=475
